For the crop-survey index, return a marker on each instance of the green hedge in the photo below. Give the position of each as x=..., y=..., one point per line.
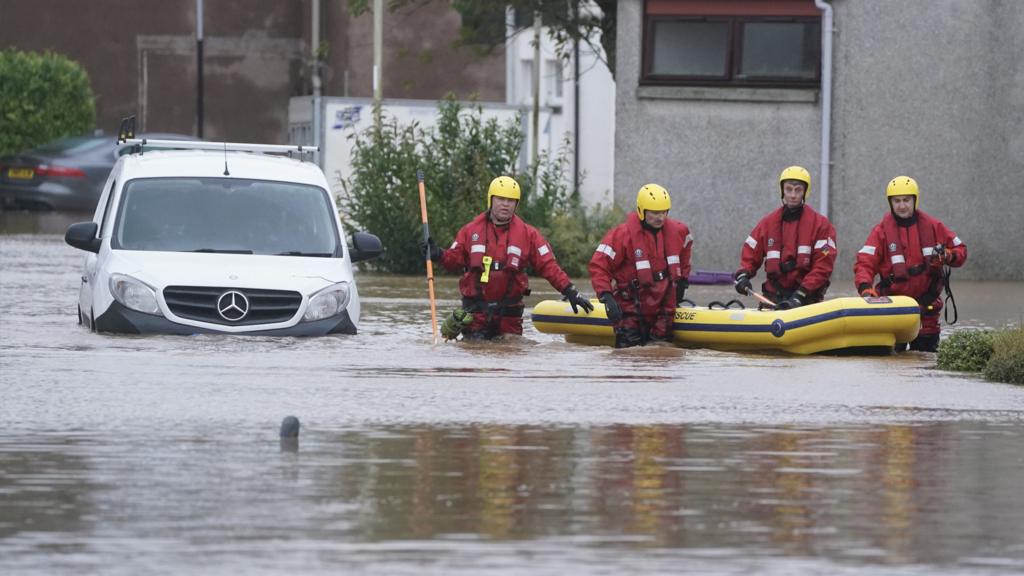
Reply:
x=459, y=158
x=42, y=97
x=998, y=354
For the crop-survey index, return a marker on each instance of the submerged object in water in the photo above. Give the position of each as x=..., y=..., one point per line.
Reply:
x=851, y=324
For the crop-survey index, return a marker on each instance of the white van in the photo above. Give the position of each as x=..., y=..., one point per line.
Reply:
x=218, y=237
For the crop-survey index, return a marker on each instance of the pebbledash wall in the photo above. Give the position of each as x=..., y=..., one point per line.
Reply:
x=933, y=89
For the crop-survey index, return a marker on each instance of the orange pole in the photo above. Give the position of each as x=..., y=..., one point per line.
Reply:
x=430, y=265
x=764, y=300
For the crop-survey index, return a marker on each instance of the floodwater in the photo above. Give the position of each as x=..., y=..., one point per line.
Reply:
x=161, y=455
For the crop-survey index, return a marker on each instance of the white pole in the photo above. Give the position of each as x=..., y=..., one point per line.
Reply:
x=317, y=82
x=535, y=150
x=145, y=90
x=511, y=55
x=199, y=68
x=315, y=48
x=378, y=53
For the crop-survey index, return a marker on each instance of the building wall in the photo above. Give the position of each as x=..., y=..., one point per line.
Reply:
x=597, y=126
x=141, y=58
x=596, y=106
x=933, y=89
x=421, y=60
x=719, y=159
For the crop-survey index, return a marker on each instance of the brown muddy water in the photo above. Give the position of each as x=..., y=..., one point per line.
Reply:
x=161, y=455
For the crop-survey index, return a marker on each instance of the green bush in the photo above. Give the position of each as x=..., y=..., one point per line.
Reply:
x=575, y=233
x=459, y=158
x=42, y=97
x=965, y=351
x=1007, y=361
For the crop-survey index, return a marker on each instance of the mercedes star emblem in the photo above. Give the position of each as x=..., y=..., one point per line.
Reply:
x=232, y=306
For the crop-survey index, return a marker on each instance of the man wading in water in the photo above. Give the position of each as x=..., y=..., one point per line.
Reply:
x=492, y=252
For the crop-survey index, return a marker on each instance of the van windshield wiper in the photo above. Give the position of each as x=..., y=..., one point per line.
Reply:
x=222, y=251
x=310, y=254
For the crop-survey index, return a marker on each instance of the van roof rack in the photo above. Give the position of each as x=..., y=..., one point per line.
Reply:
x=126, y=134
x=141, y=143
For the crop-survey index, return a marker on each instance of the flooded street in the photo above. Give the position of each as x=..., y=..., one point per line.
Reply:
x=161, y=454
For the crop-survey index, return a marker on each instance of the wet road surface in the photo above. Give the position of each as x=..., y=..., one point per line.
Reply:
x=160, y=454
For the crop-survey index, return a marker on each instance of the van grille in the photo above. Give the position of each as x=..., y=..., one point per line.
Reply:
x=200, y=303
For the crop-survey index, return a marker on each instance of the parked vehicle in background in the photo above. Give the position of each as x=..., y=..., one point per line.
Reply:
x=222, y=238
x=66, y=174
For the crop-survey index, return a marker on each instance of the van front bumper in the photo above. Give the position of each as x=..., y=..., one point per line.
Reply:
x=120, y=319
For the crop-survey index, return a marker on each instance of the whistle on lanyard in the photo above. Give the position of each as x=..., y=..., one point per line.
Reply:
x=486, y=274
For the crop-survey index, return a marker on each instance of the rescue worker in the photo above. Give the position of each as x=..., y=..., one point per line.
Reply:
x=907, y=251
x=796, y=245
x=492, y=252
x=640, y=270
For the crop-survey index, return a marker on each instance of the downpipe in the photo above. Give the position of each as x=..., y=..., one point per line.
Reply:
x=826, y=100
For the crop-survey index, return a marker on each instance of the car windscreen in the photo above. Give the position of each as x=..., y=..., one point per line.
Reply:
x=228, y=215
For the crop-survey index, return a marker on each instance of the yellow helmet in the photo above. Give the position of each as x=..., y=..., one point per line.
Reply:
x=503, y=186
x=798, y=173
x=902, y=186
x=652, y=197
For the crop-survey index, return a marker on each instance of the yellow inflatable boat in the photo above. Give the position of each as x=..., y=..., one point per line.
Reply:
x=843, y=324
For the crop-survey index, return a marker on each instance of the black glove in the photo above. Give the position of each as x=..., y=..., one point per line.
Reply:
x=795, y=301
x=576, y=300
x=611, y=307
x=681, y=287
x=743, y=283
x=430, y=249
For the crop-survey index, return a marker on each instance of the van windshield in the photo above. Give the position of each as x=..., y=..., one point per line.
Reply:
x=227, y=215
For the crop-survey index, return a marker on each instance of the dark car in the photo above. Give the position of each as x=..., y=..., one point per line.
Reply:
x=65, y=174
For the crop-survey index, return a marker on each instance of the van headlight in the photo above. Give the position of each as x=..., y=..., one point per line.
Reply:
x=133, y=294
x=328, y=302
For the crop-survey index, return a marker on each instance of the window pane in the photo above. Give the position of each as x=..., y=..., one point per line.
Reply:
x=780, y=49
x=690, y=48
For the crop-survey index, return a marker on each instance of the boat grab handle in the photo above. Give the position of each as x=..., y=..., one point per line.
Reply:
x=726, y=305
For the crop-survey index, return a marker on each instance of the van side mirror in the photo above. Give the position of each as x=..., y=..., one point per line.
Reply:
x=365, y=246
x=83, y=236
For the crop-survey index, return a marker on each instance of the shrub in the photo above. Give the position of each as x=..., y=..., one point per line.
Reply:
x=42, y=97
x=381, y=194
x=459, y=158
x=1007, y=361
x=965, y=351
x=575, y=232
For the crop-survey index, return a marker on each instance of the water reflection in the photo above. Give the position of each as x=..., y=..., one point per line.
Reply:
x=22, y=222
x=36, y=493
x=874, y=494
